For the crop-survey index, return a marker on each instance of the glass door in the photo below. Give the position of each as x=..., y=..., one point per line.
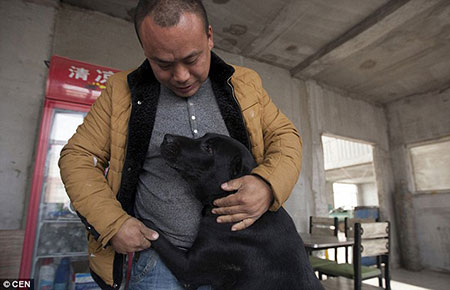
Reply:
x=54, y=237
x=59, y=232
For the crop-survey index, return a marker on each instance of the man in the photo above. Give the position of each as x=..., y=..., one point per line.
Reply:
x=182, y=88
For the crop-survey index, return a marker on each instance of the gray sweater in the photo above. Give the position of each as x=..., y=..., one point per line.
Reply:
x=162, y=195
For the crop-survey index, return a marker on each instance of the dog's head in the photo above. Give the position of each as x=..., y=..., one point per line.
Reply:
x=207, y=162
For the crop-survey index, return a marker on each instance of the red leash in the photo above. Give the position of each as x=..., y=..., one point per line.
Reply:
x=130, y=262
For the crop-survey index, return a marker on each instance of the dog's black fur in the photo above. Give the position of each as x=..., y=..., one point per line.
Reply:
x=267, y=255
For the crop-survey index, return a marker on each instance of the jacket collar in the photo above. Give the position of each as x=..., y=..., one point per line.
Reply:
x=143, y=76
x=140, y=79
x=219, y=71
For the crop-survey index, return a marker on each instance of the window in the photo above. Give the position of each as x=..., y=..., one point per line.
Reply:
x=349, y=173
x=431, y=166
x=345, y=195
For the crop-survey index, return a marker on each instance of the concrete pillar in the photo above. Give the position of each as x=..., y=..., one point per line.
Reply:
x=408, y=244
x=26, y=33
x=385, y=188
x=315, y=105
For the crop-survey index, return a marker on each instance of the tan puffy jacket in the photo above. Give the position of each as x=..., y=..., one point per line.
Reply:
x=114, y=138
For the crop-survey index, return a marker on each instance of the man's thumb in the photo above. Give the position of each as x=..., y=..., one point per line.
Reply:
x=233, y=184
x=149, y=233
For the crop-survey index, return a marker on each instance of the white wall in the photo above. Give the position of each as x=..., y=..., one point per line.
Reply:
x=26, y=31
x=425, y=218
x=368, y=194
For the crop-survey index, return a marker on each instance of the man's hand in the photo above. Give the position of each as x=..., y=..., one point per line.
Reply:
x=133, y=236
x=252, y=199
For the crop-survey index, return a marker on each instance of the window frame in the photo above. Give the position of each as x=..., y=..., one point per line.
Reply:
x=412, y=176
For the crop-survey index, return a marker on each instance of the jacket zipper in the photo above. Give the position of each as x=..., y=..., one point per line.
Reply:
x=240, y=112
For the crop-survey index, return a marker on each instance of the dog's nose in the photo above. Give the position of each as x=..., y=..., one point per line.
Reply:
x=169, y=138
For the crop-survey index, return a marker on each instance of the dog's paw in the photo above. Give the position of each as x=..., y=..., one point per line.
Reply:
x=189, y=286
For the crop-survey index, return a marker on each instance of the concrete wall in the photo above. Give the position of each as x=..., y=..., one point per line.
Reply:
x=30, y=32
x=334, y=112
x=425, y=236
x=96, y=38
x=26, y=33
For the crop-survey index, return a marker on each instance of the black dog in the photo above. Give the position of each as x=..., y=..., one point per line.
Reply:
x=267, y=255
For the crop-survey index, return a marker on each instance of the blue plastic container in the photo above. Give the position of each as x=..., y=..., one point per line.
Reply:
x=367, y=212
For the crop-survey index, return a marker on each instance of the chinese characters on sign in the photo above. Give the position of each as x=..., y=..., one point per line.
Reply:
x=103, y=76
x=78, y=73
x=83, y=73
x=76, y=81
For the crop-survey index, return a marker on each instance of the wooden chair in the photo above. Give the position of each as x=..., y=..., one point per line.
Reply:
x=349, y=233
x=323, y=226
x=371, y=240
x=349, y=226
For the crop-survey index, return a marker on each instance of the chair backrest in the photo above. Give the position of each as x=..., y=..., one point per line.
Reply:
x=323, y=226
x=349, y=228
x=371, y=239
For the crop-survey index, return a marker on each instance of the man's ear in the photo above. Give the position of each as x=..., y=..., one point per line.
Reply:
x=236, y=167
x=210, y=38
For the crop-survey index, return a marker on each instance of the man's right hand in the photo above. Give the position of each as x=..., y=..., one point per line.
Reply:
x=133, y=236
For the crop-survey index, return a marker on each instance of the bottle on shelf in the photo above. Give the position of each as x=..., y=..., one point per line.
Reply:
x=46, y=274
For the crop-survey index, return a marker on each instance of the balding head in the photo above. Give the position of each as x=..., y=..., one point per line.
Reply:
x=166, y=13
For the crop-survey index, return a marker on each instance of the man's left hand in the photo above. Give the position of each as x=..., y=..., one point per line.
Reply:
x=252, y=199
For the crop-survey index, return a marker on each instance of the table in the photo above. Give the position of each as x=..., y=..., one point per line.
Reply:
x=316, y=242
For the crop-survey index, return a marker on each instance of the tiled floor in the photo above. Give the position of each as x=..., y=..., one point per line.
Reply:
x=407, y=280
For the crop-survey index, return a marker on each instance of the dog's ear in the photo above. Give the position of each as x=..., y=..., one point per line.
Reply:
x=236, y=167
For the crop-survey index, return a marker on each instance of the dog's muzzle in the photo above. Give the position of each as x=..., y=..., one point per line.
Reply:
x=169, y=148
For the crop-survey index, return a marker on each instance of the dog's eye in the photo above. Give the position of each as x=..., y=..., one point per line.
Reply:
x=208, y=148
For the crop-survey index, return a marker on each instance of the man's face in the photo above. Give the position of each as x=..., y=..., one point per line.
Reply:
x=179, y=55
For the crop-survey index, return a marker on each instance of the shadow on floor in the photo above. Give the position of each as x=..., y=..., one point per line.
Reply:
x=408, y=280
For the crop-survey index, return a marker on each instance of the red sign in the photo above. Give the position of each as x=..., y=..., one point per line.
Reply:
x=76, y=81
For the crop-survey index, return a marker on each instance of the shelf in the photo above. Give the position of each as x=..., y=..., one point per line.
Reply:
x=62, y=220
x=79, y=254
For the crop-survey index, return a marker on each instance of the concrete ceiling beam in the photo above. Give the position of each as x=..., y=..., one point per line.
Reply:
x=385, y=19
x=288, y=16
